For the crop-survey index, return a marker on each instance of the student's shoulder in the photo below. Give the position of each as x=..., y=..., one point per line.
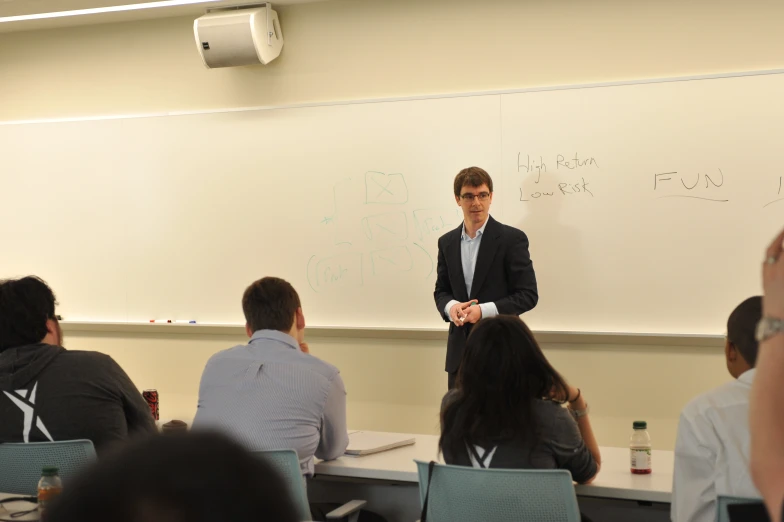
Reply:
x=229, y=356
x=548, y=408
x=96, y=366
x=227, y=353
x=702, y=405
x=83, y=357
x=316, y=365
x=554, y=419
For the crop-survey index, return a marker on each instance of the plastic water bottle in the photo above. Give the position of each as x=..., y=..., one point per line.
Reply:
x=49, y=488
x=640, y=449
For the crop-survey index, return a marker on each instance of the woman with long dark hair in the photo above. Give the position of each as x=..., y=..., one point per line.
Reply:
x=507, y=409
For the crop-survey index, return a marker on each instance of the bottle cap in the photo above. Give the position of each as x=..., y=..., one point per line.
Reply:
x=50, y=471
x=640, y=425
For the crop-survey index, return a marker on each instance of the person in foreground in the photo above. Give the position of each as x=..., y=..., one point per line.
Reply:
x=767, y=393
x=48, y=393
x=484, y=268
x=506, y=410
x=712, y=450
x=190, y=478
x=271, y=393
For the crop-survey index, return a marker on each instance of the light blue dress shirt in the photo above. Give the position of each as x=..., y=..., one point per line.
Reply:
x=268, y=394
x=469, y=251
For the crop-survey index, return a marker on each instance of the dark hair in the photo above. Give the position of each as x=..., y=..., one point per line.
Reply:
x=25, y=306
x=473, y=177
x=270, y=304
x=742, y=325
x=195, y=477
x=502, y=373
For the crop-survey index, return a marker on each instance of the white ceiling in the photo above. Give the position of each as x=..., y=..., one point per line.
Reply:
x=23, y=7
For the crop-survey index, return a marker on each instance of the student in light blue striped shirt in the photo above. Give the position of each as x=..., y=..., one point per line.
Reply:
x=271, y=393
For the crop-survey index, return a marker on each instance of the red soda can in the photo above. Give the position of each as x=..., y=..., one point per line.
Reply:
x=151, y=396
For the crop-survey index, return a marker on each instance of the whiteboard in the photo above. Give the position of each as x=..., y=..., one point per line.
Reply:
x=681, y=197
x=647, y=205
x=172, y=217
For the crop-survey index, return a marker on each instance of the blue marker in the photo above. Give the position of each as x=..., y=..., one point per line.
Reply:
x=185, y=322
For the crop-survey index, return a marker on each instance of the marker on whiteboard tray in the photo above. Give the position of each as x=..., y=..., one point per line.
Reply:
x=160, y=320
x=185, y=322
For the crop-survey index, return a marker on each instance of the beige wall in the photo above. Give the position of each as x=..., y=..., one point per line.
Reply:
x=376, y=48
x=397, y=385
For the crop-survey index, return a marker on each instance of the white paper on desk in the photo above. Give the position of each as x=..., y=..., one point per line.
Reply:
x=369, y=442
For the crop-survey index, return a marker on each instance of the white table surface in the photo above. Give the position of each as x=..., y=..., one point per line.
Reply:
x=12, y=507
x=614, y=480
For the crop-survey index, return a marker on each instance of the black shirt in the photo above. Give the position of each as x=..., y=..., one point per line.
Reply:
x=50, y=393
x=560, y=446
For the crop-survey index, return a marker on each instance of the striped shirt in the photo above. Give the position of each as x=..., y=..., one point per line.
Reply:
x=268, y=395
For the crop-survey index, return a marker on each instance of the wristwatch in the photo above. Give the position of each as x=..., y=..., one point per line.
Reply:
x=579, y=413
x=768, y=327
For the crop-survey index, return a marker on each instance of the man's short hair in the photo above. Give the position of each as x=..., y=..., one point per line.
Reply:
x=473, y=177
x=25, y=306
x=270, y=304
x=741, y=327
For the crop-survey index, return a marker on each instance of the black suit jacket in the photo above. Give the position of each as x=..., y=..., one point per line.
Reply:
x=504, y=275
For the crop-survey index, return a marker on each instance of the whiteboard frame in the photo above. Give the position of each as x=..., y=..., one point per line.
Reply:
x=620, y=83
x=374, y=333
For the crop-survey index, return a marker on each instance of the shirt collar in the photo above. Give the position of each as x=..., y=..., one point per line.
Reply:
x=479, y=232
x=747, y=377
x=275, y=335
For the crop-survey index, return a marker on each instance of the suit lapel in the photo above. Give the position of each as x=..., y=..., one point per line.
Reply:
x=484, y=260
x=455, y=260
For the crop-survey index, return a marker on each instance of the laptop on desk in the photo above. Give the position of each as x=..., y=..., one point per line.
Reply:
x=370, y=442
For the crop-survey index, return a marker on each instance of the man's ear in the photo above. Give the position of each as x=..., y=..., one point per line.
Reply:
x=300, y=319
x=52, y=333
x=248, y=330
x=731, y=351
x=51, y=327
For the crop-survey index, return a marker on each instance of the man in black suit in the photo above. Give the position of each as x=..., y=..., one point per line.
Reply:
x=484, y=268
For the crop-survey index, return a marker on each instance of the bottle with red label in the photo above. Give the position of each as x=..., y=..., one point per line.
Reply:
x=640, y=449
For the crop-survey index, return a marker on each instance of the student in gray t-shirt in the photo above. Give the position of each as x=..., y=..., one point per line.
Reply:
x=506, y=410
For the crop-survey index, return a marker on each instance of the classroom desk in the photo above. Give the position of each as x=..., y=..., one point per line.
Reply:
x=12, y=507
x=393, y=474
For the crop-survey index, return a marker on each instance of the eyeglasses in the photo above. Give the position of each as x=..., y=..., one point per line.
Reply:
x=482, y=196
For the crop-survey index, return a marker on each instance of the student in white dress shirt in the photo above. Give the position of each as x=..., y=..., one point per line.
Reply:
x=712, y=451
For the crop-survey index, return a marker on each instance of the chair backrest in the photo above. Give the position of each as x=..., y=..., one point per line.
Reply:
x=21, y=465
x=460, y=493
x=286, y=463
x=722, y=501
